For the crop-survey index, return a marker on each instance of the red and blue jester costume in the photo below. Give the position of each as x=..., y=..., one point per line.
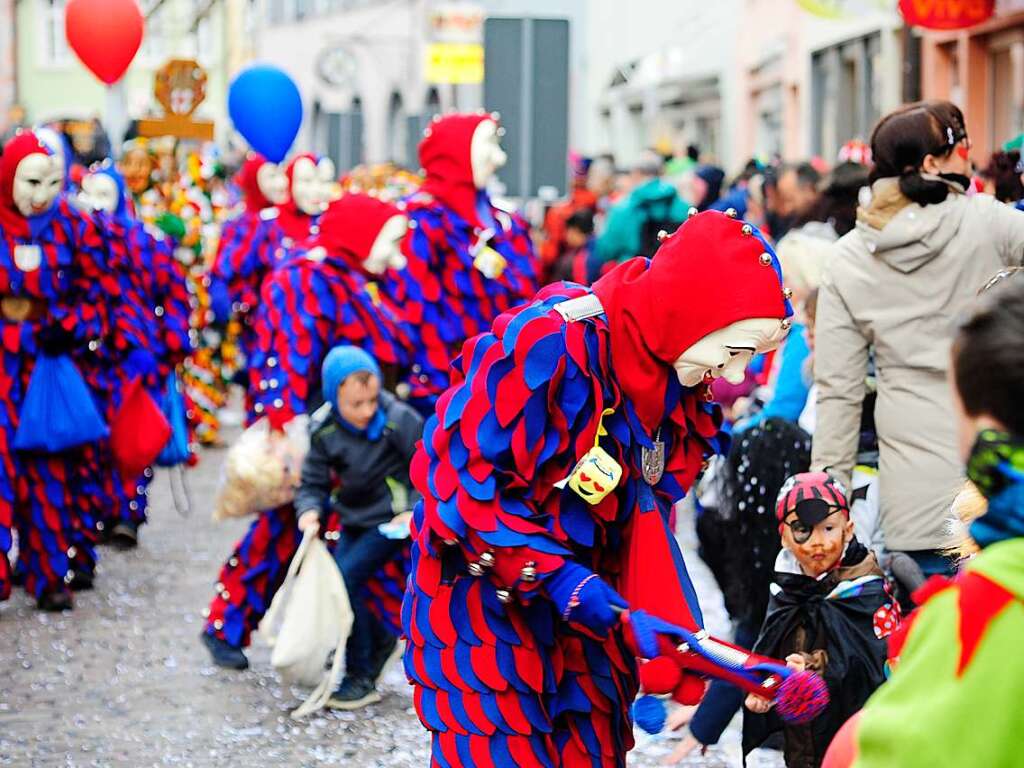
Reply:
x=153, y=338
x=514, y=652
x=443, y=294
x=55, y=294
x=248, y=250
x=317, y=300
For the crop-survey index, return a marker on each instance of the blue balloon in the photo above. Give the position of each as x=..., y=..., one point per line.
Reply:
x=266, y=108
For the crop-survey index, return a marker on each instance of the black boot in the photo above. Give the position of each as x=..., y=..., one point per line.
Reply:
x=223, y=653
x=80, y=582
x=55, y=601
x=125, y=535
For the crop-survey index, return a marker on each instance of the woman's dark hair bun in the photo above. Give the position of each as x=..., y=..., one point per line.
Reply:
x=903, y=138
x=921, y=190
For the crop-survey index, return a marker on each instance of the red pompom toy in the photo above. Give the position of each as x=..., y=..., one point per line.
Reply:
x=690, y=690
x=660, y=675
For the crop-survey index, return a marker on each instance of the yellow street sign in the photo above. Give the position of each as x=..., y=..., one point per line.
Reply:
x=458, y=63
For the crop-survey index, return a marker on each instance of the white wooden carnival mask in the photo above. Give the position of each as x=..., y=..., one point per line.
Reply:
x=306, y=187
x=101, y=192
x=386, y=251
x=726, y=353
x=272, y=183
x=326, y=174
x=38, y=180
x=485, y=153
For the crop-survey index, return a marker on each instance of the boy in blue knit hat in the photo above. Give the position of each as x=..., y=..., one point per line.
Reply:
x=361, y=442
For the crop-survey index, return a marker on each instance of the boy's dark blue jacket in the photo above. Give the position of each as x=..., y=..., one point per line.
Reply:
x=359, y=467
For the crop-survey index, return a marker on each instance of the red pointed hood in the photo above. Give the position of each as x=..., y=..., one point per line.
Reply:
x=350, y=226
x=17, y=149
x=247, y=181
x=446, y=159
x=295, y=223
x=705, y=277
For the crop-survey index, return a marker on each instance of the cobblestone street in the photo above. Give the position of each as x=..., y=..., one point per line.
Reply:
x=123, y=680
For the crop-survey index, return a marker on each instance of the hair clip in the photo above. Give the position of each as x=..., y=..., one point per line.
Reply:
x=949, y=136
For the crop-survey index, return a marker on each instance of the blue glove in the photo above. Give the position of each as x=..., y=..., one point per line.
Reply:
x=220, y=301
x=646, y=629
x=584, y=598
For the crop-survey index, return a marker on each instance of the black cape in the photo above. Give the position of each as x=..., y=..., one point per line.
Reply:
x=801, y=620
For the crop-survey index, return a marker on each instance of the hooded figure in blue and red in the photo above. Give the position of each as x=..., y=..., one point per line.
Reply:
x=319, y=299
x=469, y=260
x=152, y=322
x=56, y=294
x=548, y=474
x=248, y=244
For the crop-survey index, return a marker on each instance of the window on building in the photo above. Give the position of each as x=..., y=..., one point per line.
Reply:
x=1005, y=101
x=55, y=45
x=845, y=93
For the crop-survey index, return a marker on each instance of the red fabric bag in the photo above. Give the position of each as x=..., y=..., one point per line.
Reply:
x=138, y=432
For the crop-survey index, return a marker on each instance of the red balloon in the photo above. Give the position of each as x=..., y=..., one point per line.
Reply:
x=104, y=34
x=842, y=752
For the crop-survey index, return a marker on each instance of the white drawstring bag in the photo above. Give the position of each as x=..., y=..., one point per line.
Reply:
x=309, y=617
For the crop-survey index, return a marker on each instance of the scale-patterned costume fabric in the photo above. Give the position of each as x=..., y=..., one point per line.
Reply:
x=443, y=295
x=72, y=283
x=500, y=678
x=309, y=306
x=153, y=315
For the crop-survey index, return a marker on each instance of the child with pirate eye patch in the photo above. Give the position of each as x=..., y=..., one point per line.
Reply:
x=830, y=612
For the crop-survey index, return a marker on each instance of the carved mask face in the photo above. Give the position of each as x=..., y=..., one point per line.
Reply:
x=100, y=191
x=326, y=173
x=485, y=153
x=37, y=182
x=137, y=168
x=273, y=183
x=306, y=187
x=727, y=352
x=386, y=252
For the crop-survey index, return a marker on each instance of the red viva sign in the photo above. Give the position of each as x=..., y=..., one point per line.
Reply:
x=946, y=14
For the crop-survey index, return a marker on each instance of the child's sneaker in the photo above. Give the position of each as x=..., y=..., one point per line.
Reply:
x=353, y=693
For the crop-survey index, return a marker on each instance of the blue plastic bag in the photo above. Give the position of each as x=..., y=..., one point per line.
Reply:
x=173, y=405
x=58, y=412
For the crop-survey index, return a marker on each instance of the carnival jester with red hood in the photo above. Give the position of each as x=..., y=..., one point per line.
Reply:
x=469, y=260
x=542, y=562
x=320, y=298
x=56, y=295
x=247, y=250
x=153, y=339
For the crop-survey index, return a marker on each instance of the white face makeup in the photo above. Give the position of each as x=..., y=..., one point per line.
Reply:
x=272, y=183
x=485, y=153
x=306, y=187
x=386, y=252
x=100, y=192
x=37, y=182
x=726, y=353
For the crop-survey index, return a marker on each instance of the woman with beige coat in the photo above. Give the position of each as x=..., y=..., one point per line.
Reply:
x=921, y=251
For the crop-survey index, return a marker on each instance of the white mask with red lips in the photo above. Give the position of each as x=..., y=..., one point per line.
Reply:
x=726, y=353
x=38, y=181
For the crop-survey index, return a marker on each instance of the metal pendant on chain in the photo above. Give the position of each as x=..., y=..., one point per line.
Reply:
x=652, y=460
